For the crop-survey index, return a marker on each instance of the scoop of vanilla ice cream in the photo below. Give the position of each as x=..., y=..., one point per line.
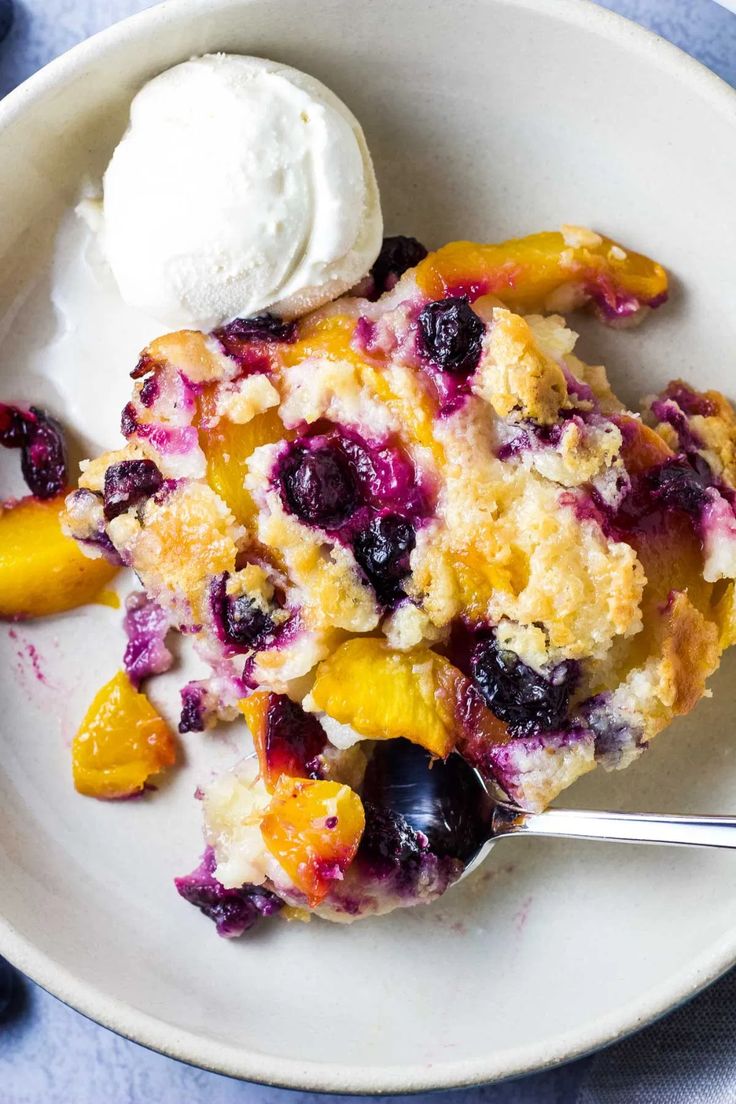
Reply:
x=240, y=185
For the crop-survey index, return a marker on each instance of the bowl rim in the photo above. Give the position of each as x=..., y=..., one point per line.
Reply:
x=153, y=1032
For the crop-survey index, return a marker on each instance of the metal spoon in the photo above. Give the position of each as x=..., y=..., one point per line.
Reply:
x=451, y=805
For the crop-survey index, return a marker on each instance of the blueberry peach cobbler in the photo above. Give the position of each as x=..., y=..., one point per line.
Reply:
x=407, y=530
x=410, y=518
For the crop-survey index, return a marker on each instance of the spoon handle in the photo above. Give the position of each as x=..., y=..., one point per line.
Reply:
x=688, y=831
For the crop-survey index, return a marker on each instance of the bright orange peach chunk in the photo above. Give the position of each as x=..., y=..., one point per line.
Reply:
x=42, y=571
x=313, y=829
x=329, y=337
x=255, y=710
x=384, y=694
x=547, y=271
x=227, y=447
x=122, y=741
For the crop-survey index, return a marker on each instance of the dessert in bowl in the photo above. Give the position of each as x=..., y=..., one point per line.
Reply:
x=414, y=514
x=176, y=852
x=410, y=514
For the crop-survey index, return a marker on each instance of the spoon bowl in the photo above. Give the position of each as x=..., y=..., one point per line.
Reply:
x=450, y=803
x=445, y=800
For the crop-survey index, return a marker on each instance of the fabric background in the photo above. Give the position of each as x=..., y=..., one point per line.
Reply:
x=50, y=1054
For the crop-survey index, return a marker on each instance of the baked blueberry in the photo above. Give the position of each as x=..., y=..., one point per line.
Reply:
x=382, y=551
x=319, y=486
x=128, y=483
x=451, y=335
x=398, y=253
x=528, y=702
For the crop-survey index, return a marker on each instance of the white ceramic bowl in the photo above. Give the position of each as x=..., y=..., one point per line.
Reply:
x=486, y=118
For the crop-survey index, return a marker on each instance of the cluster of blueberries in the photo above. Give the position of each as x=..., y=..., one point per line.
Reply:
x=41, y=443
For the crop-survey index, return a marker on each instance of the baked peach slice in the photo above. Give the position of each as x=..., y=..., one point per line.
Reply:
x=383, y=694
x=42, y=571
x=227, y=447
x=548, y=271
x=287, y=740
x=313, y=829
x=121, y=742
